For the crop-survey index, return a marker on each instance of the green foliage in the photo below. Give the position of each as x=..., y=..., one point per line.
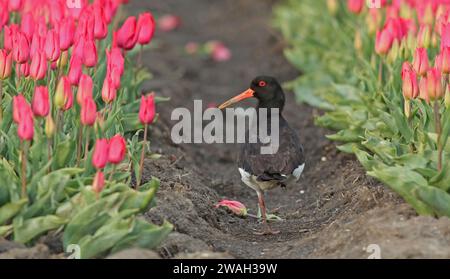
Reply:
x=366, y=112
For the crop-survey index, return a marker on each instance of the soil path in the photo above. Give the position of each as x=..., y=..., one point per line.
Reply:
x=334, y=211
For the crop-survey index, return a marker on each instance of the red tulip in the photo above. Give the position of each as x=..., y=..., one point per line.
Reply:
x=90, y=57
x=88, y=112
x=5, y=64
x=20, y=107
x=51, y=47
x=420, y=64
x=99, y=182
x=117, y=149
x=26, y=126
x=66, y=33
x=85, y=88
x=101, y=152
x=75, y=69
x=38, y=68
x=127, y=35
x=410, y=86
x=147, y=109
x=434, y=86
x=115, y=60
x=21, y=48
x=146, y=28
x=40, y=103
x=109, y=91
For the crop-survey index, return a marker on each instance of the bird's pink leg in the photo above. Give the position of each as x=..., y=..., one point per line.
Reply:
x=262, y=206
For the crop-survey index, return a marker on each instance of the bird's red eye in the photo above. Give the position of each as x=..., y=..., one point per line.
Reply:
x=262, y=84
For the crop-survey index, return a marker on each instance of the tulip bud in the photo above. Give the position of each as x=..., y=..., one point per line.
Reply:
x=100, y=25
x=147, y=109
x=88, y=111
x=394, y=52
x=117, y=149
x=85, y=88
x=410, y=86
x=383, y=42
x=25, y=129
x=99, y=182
x=66, y=33
x=434, y=86
x=63, y=59
x=234, y=206
x=51, y=47
x=21, y=49
x=332, y=6
x=420, y=63
x=127, y=35
x=5, y=64
x=101, y=152
x=145, y=28
x=90, y=57
x=424, y=36
x=108, y=91
x=40, y=103
x=423, y=90
x=355, y=6
x=75, y=69
x=63, y=96
x=50, y=127
x=38, y=68
x=445, y=59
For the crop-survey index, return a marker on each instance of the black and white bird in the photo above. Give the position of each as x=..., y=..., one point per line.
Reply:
x=263, y=172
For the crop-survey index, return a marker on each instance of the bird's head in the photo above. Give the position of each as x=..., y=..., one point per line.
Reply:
x=264, y=88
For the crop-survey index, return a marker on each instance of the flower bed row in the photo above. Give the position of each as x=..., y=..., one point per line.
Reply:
x=381, y=73
x=71, y=116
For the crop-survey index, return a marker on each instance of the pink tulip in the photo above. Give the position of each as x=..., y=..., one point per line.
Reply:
x=147, y=109
x=100, y=25
x=21, y=49
x=85, y=88
x=27, y=25
x=220, y=53
x=90, y=57
x=51, y=47
x=410, y=85
x=234, y=206
x=25, y=129
x=5, y=64
x=168, y=23
x=4, y=15
x=434, y=86
x=109, y=91
x=99, y=182
x=40, y=103
x=383, y=42
x=146, y=28
x=9, y=35
x=117, y=149
x=75, y=69
x=15, y=5
x=101, y=152
x=20, y=106
x=66, y=33
x=127, y=34
x=38, y=68
x=355, y=6
x=88, y=112
x=423, y=90
x=420, y=63
x=445, y=56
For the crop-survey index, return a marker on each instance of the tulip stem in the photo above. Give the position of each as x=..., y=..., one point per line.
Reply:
x=24, y=169
x=139, y=62
x=1, y=99
x=113, y=171
x=86, y=145
x=79, y=144
x=141, y=163
x=380, y=71
x=437, y=119
x=49, y=152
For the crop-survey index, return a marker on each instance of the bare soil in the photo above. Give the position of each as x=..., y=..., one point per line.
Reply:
x=335, y=210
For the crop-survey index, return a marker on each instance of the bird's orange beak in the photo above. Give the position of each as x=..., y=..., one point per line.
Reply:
x=244, y=95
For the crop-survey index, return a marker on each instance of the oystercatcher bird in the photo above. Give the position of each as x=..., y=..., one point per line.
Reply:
x=263, y=172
